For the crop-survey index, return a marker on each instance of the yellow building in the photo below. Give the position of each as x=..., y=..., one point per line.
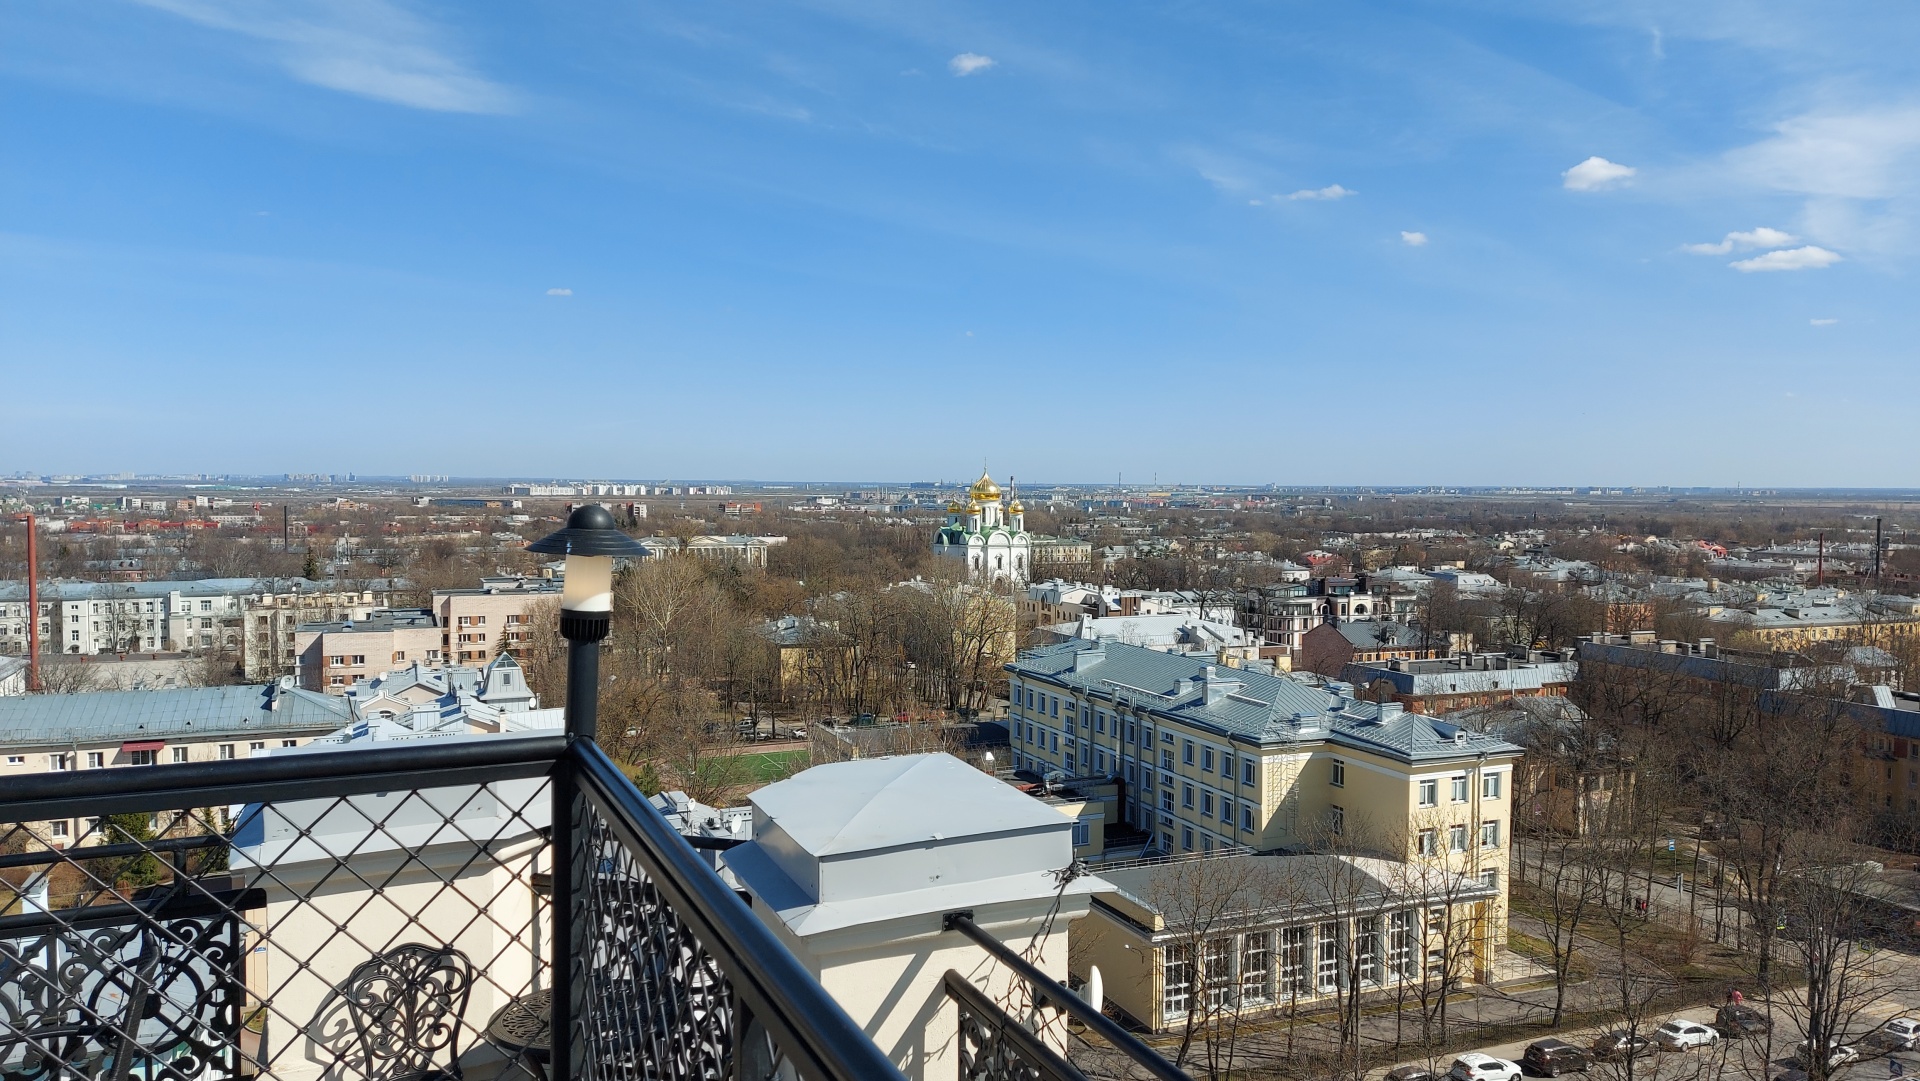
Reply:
x=1210, y=758
x=1189, y=941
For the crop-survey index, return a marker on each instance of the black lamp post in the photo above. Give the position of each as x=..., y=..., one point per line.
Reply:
x=590, y=541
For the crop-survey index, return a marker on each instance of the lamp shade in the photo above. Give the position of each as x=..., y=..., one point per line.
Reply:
x=590, y=531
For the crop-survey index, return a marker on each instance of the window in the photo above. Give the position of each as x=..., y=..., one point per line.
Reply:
x=479, y=621
x=206, y=606
x=1099, y=761
x=1339, y=773
x=1293, y=962
x=1217, y=957
x=1082, y=832
x=179, y=754
x=140, y=758
x=206, y=624
x=359, y=658
x=1247, y=767
x=289, y=743
x=1256, y=967
x=399, y=655
x=1326, y=959
x=1099, y=723
x=16, y=760
x=1226, y=765
x=96, y=759
x=1186, y=751
x=1186, y=838
x=1336, y=820
x=1166, y=759
x=1460, y=789
x=1490, y=785
x=1403, y=963
x=1206, y=759
x=336, y=681
x=1131, y=734
x=1490, y=833
x=1456, y=838
x=1429, y=793
x=58, y=762
x=1056, y=705
x=1226, y=811
x=1166, y=799
x=337, y=661
x=226, y=750
x=1490, y=879
x=1429, y=843
x=1366, y=950
x=1186, y=795
x=1206, y=804
x=256, y=746
x=1177, y=977
x=1246, y=817
x=58, y=827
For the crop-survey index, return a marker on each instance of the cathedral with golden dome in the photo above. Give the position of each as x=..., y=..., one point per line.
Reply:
x=991, y=536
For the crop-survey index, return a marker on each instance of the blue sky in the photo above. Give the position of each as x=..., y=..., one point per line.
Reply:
x=1313, y=243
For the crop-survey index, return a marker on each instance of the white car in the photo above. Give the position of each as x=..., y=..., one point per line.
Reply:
x=1478, y=1067
x=1899, y=1034
x=1681, y=1035
x=1837, y=1056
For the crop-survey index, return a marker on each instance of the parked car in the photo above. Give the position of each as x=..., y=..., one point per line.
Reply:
x=1737, y=1021
x=1551, y=1058
x=1478, y=1067
x=1679, y=1035
x=1411, y=1072
x=1620, y=1044
x=1837, y=1056
x=1899, y=1034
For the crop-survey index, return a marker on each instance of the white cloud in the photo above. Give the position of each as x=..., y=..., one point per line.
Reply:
x=373, y=48
x=1331, y=191
x=1596, y=174
x=1823, y=322
x=1413, y=240
x=1853, y=156
x=969, y=64
x=559, y=292
x=1762, y=237
x=1807, y=258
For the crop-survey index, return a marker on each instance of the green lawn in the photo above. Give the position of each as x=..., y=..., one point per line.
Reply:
x=775, y=765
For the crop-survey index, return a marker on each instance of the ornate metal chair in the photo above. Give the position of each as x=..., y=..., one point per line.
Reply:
x=406, y=1005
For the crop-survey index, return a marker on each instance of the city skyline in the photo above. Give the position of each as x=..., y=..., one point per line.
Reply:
x=1462, y=244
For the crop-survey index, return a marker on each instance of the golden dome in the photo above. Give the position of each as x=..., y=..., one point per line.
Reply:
x=956, y=507
x=1016, y=507
x=985, y=490
x=973, y=506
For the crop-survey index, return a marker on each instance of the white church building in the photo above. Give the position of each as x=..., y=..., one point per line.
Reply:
x=989, y=535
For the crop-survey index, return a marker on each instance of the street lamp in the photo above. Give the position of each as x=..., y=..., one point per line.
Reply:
x=590, y=541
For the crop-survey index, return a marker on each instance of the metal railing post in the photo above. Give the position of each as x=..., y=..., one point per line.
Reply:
x=573, y=862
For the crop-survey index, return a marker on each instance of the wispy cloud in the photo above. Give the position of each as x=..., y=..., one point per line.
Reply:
x=559, y=292
x=1807, y=258
x=1861, y=155
x=969, y=64
x=1823, y=322
x=1331, y=191
x=373, y=48
x=1413, y=240
x=1762, y=237
x=1596, y=174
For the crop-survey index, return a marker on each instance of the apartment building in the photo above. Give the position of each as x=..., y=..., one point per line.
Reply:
x=476, y=624
x=1816, y=617
x=1212, y=758
x=1283, y=614
x=113, y=729
x=335, y=656
x=271, y=616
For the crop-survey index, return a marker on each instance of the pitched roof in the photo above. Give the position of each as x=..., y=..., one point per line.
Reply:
x=170, y=713
x=1249, y=705
x=877, y=803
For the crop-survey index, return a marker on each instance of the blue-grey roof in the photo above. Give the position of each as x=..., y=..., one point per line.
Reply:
x=38, y=720
x=1249, y=706
x=383, y=619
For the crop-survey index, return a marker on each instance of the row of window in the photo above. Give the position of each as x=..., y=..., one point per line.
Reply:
x=1429, y=838
x=98, y=759
x=1458, y=788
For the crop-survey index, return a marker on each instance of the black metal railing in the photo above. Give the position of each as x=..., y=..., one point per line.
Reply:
x=996, y=1046
x=493, y=907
